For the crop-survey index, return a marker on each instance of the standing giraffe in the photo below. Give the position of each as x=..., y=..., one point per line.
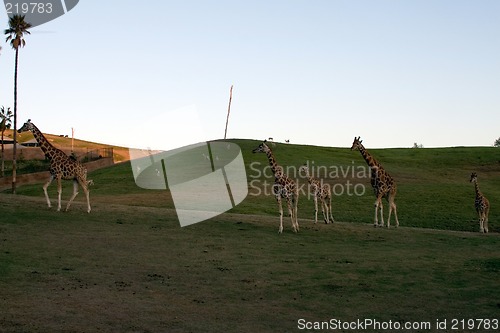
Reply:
x=61, y=167
x=322, y=192
x=283, y=187
x=382, y=183
x=482, y=205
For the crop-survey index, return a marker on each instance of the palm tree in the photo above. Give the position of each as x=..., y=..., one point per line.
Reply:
x=15, y=33
x=5, y=115
x=497, y=143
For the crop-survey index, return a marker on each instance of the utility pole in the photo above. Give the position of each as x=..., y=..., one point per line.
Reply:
x=228, y=109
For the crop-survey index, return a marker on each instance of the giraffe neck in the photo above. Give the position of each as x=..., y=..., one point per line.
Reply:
x=478, y=192
x=272, y=161
x=49, y=150
x=309, y=177
x=368, y=158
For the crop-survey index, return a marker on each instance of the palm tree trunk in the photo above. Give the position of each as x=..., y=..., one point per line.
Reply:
x=14, y=150
x=3, y=156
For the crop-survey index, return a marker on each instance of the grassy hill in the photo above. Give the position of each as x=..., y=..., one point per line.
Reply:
x=119, y=153
x=129, y=267
x=433, y=184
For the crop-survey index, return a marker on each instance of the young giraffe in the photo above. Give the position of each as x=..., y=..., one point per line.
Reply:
x=382, y=183
x=322, y=192
x=284, y=187
x=482, y=205
x=61, y=167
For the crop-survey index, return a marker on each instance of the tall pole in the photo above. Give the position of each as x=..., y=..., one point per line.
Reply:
x=14, y=150
x=228, y=109
x=72, y=137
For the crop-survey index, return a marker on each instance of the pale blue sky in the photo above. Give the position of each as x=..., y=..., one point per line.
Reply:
x=314, y=72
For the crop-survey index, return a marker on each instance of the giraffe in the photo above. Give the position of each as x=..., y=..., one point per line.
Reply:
x=382, y=183
x=283, y=187
x=322, y=192
x=61, y=167
x=482, y=205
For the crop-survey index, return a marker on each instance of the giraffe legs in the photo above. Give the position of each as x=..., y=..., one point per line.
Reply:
x=392, y=207
x=83, y=184
x=295, y=208
x=75, y=193
x=485, y=223
x=295, y=201
x=292, y=203
x=291, y=211
x=483, y=220
x=45, y=190
x=324, y=208
x=278, y=199
x=379, y=206
x=87, y=195
x=330, y=208
x=316, y=208
x=59, y=193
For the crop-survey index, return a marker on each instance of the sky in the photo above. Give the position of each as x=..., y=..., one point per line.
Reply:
x=157, y=74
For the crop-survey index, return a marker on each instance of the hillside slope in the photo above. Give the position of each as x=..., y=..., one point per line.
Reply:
x=433, y=184
x=59, y=141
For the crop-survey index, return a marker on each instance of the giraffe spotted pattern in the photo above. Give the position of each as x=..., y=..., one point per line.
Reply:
x=382, y=183
x=61, y=167
x=283, y=188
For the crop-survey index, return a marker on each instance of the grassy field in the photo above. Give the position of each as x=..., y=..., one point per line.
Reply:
x=433, y=184
x=129, y=267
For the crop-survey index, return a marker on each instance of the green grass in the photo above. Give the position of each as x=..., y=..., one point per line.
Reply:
x=129, y=267
x=433, y=184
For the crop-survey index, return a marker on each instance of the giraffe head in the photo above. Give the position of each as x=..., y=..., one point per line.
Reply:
x=473, y=177
x=262, y=148
x=357, y=143
x=304, y=169
x=28, y=126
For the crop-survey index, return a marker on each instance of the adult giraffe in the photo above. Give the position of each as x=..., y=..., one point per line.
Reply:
x=283, y=187
x=482, y=205
x=61, y=167
x=383, y=184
